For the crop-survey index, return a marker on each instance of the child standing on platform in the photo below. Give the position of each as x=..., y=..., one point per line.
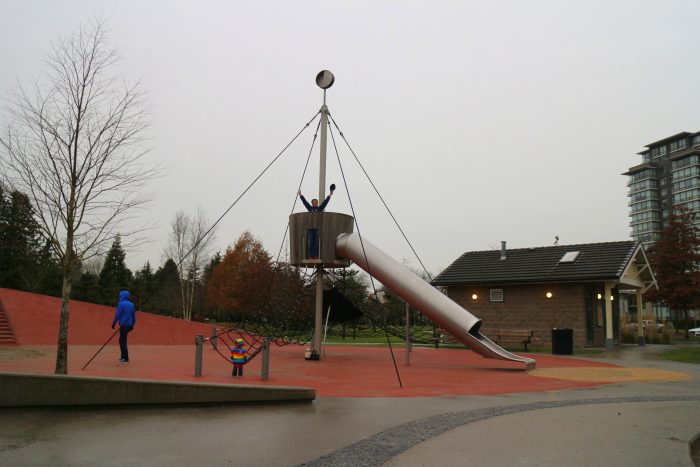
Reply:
x=239, y=357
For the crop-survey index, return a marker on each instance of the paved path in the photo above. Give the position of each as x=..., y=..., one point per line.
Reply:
x=625, y=423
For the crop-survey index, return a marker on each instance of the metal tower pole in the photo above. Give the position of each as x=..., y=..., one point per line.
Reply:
x=324, y=80
x=318, y=318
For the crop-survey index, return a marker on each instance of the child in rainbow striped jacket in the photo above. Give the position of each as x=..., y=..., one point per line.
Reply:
x=239, y=357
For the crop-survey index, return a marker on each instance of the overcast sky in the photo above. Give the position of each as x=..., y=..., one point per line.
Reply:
x=477, y=121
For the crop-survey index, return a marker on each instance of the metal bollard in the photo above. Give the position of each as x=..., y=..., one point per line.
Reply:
x=198, y=346
x=265, y=373
x=409, y=348
x=214, y=339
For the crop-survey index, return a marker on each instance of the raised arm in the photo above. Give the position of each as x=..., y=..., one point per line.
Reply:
x=303, y=200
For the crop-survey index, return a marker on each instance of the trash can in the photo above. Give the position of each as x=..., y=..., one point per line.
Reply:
x=562, y=341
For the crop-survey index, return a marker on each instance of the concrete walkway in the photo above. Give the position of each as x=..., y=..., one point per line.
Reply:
x=625, y=423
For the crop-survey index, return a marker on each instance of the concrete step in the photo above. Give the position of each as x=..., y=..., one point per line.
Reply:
x=7, y=332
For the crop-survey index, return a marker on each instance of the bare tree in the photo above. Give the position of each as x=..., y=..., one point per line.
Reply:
x=190, y=248
x=93, y=265
x=74, y=144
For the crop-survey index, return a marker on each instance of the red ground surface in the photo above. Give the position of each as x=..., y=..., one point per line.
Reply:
x=162, y=348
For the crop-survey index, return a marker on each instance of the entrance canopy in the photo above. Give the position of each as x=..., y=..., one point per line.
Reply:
x=637, y=273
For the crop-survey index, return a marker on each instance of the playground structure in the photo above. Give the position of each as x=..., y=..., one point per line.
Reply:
x=321, y=240
x=326, y=240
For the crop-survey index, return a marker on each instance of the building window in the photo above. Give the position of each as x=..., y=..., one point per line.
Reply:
x=685, y=162
x=680, y=144
x=569, y=257
x=641, y=175
x=655, y=153
x=496, y=295
x=643, y=185
x=696, y=140
x=646, y=227
x=685, y=184
x=691, y=206
x=692, y=171
x=643, y=206
x=645, y=216
x=644, y=195
x=686, y=195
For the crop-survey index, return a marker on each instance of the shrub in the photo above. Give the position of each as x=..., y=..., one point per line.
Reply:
x=628, y=335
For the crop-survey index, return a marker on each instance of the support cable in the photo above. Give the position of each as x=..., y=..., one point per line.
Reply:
x=279, y=253
x=284, y=239
x=369, y=269
x=248, y=188
x=380, y=196
x=226, y=331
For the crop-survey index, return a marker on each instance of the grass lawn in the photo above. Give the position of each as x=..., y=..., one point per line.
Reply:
x=381, y=340
x=548, y=350
x=363, y=340
x=689, y=355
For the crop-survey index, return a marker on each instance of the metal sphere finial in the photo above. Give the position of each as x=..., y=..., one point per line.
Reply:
x=325, y=79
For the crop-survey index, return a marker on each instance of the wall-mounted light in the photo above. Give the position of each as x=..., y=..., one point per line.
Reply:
x=600, y=296
x=474, y=296
x=612, y=298
x=548, y=295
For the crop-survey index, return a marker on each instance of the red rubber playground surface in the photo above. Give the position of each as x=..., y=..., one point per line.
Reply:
x=162, y=348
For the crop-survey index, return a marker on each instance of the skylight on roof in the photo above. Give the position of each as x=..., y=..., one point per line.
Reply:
x=569, y=257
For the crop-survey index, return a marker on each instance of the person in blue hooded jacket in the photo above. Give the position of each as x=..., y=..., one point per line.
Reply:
x=314, y=207
x=312, y=247
x=126, y=317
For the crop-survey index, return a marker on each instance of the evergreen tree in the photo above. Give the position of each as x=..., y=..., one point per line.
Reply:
x=167, y=296
x=213, y=262
x=675, y=260
x=23, y=259
x=50, y=270
x=203, y=302
x=87, y=288
x=115, y=276
x=144, y=287
x=350, y=285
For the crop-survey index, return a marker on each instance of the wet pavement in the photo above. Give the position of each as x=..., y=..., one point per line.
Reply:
x=625, y=406
x=623, y=423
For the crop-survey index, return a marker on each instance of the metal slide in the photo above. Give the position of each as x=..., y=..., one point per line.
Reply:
x=403, y=282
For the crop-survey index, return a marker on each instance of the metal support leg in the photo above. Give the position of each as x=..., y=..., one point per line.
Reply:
x=408, y=334
x=198, y=346
x=265, y=373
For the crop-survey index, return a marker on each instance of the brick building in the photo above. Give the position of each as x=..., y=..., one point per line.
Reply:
x=538, y=289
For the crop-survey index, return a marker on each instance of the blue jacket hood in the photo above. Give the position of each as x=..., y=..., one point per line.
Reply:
x=124, y=295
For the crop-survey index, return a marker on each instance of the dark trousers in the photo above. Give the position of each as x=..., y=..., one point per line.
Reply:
x=123, y=331
x=237, y=370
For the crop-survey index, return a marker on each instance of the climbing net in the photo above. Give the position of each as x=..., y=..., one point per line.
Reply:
x=284, y=321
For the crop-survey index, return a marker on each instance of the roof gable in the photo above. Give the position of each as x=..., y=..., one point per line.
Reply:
x=596, y=261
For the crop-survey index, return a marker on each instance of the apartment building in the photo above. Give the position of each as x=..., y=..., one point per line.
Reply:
x=668, y=176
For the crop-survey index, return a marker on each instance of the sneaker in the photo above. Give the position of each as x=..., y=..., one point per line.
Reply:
x=123, y=360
